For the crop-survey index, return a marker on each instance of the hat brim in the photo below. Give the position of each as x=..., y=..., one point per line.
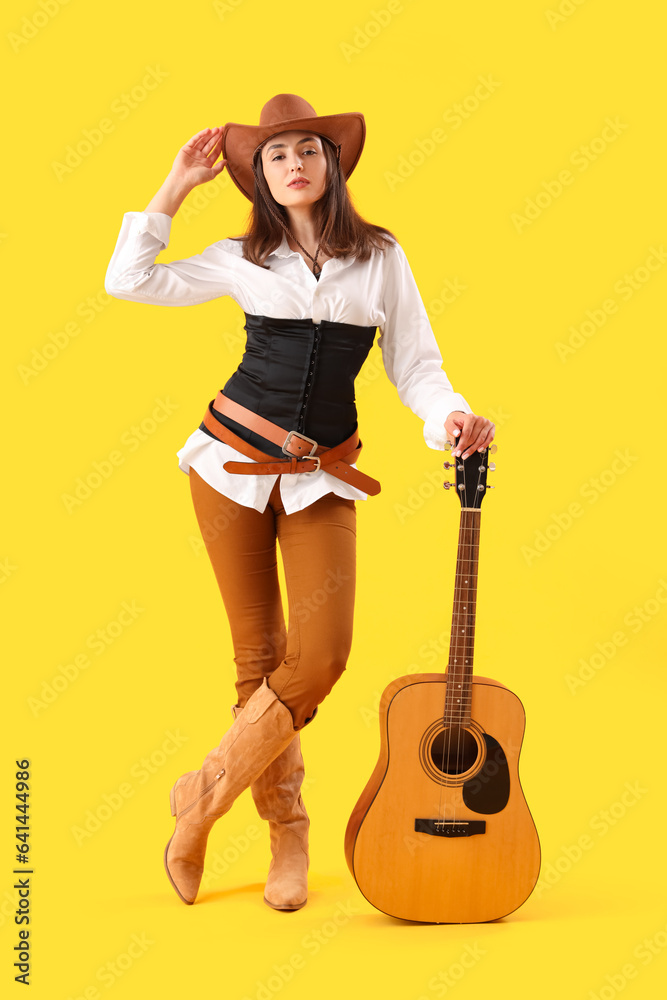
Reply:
x=239, y=142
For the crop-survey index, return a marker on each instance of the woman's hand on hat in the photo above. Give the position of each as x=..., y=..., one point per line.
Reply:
x=195, y=162
x=468, y=432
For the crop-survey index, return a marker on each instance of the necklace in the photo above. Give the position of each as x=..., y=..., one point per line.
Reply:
x=317, y=270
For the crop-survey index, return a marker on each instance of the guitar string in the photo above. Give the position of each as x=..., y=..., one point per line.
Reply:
x=461, y=631
x=449, y=690
x=466, y=567
x=447, y=710
x=455, y=658
x=454, y=666
x=468, y=541
x=472, y=558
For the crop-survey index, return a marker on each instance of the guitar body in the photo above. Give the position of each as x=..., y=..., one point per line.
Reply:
x=442, y=832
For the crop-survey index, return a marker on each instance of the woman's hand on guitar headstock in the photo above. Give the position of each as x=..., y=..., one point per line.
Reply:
x=468, y=432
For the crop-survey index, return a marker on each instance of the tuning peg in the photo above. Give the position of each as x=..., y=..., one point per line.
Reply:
x=448, y=445
x=492, y=466
x=449, y=465
x=448, y=486
x=493, y=449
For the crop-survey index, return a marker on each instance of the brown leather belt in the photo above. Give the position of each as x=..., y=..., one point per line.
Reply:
x=304, y=454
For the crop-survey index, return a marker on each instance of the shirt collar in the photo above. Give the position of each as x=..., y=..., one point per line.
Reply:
x=283, y=250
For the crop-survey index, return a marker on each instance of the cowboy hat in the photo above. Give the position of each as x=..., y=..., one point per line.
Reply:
x=280, y=114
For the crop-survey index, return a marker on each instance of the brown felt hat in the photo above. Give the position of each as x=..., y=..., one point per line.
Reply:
x=282, y=113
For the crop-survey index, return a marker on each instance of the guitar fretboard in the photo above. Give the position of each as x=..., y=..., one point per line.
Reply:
x=462, y=640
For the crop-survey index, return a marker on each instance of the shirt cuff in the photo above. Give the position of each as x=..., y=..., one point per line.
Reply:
x=435, y=434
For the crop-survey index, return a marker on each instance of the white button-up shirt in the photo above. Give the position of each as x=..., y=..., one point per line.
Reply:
x=379, y=292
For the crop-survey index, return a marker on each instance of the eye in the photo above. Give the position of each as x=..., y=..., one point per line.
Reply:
x=280, y=155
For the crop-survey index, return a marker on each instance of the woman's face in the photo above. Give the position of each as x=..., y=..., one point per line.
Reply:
x=292, y=156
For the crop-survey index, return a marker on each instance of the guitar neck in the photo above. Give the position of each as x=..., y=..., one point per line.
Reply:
x=462, y=642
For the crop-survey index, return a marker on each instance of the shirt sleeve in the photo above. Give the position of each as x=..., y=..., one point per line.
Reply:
x=410, y=352
x=133, y=274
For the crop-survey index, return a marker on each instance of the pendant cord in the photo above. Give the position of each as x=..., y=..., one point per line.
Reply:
x=317, y=269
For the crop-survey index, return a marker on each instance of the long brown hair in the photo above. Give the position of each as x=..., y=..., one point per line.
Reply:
x=343, y=230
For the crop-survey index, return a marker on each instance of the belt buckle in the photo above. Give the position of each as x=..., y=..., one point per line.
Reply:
x=302, y=437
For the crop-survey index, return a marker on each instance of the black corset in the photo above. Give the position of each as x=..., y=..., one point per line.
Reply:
x=300, y=375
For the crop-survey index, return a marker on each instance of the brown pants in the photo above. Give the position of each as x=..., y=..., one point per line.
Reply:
x=318, y=548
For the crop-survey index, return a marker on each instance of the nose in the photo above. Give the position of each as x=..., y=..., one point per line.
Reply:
x=297, y=159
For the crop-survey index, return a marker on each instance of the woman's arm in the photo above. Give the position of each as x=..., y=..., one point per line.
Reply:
x=132, y=272
x=169, y=197
x=413, y=363
x=195, y=164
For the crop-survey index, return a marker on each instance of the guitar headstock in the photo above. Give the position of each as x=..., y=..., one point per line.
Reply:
x=470, y=483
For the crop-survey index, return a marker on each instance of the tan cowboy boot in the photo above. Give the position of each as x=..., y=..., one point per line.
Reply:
x=262, y=732
x=277, y=795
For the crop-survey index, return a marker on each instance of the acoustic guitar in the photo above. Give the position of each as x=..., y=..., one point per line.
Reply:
x=442, y=832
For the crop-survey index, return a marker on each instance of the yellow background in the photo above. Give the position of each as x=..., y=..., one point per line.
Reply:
x=582, y=428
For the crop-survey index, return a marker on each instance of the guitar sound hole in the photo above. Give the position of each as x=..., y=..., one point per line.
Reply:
x=454, y=750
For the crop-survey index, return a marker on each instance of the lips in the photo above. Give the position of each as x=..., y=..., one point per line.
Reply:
x=301, y=182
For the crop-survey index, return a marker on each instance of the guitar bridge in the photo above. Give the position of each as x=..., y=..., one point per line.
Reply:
x=450, y=828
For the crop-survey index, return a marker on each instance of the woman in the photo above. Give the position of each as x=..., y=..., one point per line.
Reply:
x=275, y=455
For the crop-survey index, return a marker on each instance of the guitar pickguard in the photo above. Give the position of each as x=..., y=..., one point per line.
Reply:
x=489, y=791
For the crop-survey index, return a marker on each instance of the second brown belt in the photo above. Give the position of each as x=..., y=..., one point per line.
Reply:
x=303, y=454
